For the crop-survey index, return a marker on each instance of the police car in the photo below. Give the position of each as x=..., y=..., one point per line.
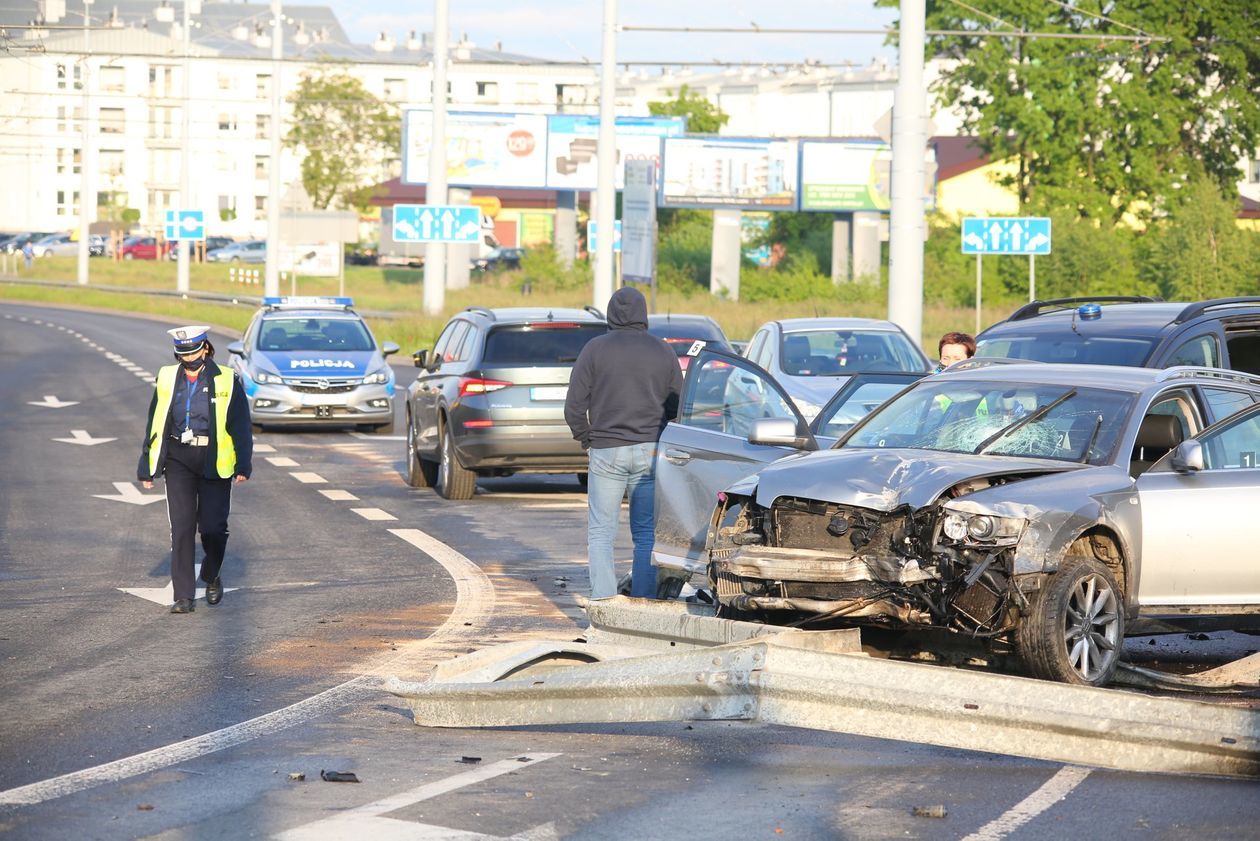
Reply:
x=312, y=360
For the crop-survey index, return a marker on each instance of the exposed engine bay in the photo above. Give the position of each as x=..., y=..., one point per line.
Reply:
x=812, y=563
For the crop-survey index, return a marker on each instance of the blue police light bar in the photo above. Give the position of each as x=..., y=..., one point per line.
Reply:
x=1089, y=312
x=299, y=301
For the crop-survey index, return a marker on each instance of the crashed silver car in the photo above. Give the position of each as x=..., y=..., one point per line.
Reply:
x=1039, y=508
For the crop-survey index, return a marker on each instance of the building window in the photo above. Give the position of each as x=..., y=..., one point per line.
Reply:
x=226, y=82
x=67, y=203
x=69, y=161
x=260, y=166
x=112, y=163
x=488, y=91
x=111, y=198
x=260, y=206
x=162, y=123
x=261, y=123
x=395, y=89
x=227, y=163
x=161, y=80
x=227, y=122
x=72, y=124
x=227, y=203
x=65, y=72
x=113, y=121
x=113, y=79
x=262, y=86
x=1253, y=170
x=160, y=201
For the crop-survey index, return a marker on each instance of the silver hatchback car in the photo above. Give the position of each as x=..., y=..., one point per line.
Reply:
x=1042, y=508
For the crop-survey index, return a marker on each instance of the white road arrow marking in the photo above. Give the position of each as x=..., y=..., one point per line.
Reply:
x=129, y=493
x=366, y=821
x=166, y=595
x=80, y=436
x=51, y=402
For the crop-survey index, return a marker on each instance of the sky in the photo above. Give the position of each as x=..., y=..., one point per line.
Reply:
x=570, y=30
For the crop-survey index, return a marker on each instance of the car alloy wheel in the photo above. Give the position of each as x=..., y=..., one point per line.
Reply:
x=1074, y=630
x=453, y=480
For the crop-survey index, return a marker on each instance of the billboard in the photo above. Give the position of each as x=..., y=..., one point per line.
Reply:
x=482, y=149
x=572, y=140
x=728, y=172
x=853, y=175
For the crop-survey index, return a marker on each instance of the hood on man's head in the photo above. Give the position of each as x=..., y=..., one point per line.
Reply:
x=627, y=309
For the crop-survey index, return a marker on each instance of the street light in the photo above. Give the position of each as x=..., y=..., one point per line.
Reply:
x=85, y=178
x=271, y=277
x=182, y=283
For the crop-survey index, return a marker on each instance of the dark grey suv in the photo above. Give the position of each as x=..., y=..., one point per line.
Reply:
x=489, y=399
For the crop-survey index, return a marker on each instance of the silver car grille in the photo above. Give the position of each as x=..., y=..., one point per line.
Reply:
x=322, y=386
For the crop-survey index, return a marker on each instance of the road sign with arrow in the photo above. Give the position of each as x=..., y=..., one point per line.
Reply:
x=437, y=223
x=1006, y=235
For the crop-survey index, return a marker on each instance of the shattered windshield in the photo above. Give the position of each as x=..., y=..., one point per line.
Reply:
x=1029, y=420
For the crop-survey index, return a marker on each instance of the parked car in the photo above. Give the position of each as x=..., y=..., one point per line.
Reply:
x=1131, y=330
x=681, y=332
x=314, y=361
x=142, y=248
x=364, y=254
x=1043, y=508
x=249, y=251
x=212, y=244
x=812, y=357
x=15, y=243
x=498, y=259
x=489, y=398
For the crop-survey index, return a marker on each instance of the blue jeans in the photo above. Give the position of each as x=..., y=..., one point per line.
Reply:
x=612, y=472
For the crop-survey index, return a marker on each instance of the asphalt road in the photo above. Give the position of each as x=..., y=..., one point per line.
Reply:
x=120, y=720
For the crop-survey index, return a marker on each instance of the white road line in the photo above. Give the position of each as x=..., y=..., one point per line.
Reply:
x=264, y=448
x=352, y=822
x=281, y=461
x=375, y=515
x=339, y=495
x=1051, y=792
x=366, y=437
x=309, y=478
x=474, y=605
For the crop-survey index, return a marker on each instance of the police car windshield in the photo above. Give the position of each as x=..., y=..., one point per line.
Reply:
x=323, y=334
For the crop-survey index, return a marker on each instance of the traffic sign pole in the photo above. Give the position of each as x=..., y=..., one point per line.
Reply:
x=1032, y=277
x=979, y=293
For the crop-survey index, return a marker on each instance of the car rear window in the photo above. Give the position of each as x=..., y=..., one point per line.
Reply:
x=544, y=343
x=680, y=337
x=830, y=353
x=1069, y=347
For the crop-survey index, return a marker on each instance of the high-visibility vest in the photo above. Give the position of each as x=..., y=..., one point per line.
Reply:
x=225, y=462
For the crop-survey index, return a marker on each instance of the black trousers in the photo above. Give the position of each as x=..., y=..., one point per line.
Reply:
x=195, y=503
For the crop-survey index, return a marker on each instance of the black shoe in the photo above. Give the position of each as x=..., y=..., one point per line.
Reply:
x=214, y=591
x=183, y=606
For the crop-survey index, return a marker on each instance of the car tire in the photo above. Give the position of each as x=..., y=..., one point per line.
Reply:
x=234, y=259
x=421, y=473
x=1074, y=631
x=454, y=481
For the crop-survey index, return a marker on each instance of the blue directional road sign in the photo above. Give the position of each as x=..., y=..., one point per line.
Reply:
x=185, y=224
x=1006, y=235
x=592, y=236
x=437, y=223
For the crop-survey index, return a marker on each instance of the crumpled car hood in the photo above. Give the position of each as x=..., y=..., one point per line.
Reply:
x=886, y=479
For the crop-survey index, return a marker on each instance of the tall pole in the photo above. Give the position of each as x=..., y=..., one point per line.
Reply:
x=85, y=176
x=271, y=278
x=185, y=158
x=606, y=152
x=435, y=190
x=909, y=145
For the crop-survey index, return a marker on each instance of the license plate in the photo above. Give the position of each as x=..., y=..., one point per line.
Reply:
x=549, y=392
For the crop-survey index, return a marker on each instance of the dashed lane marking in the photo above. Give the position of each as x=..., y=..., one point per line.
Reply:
x=1051, y=792
x=264, y=448
x=374, y=515
x=281, y=461
x=309, y=478
x=339, y=495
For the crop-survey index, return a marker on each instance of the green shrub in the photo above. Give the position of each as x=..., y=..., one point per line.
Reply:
x=542, y=271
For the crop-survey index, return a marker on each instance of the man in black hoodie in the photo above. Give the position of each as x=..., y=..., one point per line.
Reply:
x=624, y=389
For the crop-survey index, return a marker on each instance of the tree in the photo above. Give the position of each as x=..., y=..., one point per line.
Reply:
x=1104, y=127
x=347, y=136
x=703, y=117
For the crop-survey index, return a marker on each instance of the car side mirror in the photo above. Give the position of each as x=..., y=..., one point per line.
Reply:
x=420, y=359
x=389, y=348
x=1188, y=457
x=777, y=432
x=236, y=348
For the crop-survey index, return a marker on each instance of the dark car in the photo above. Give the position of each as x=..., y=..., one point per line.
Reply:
x=366, y=254
x=682, y=331
x=212, y=244
x=1131, y=330
x=489, y=398
x=14, y=243
x=499, y=259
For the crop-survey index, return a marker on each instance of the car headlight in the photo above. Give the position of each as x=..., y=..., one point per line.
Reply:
x=988, y=529
x=267, y=379
x=377, y=377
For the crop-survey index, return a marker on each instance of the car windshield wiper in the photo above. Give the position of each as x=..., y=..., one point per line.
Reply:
x=1093, y=436
x=1022, y=422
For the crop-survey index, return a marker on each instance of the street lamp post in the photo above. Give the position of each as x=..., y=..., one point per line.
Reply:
x=85, y=178
x=909, y=144
x=271, y=279
x=185, y=176
x=606, y=184
x=435, y=189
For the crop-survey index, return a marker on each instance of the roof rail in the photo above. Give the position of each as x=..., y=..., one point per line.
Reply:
x=481, y=310
x=595, y=311
x=1181, y=372
x=1034, y=309
x=1197, y=309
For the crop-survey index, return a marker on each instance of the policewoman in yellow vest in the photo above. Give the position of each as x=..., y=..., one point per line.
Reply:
x=199, y=438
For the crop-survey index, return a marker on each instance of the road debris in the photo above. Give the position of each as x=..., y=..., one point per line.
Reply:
x=937, y=811
x=470, y=760
x=338, y=777
x=145, y=807
x=297, y=777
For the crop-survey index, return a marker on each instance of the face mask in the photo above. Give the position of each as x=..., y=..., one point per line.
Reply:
x=190, y=364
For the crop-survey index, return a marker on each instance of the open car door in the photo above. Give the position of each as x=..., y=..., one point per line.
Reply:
x=707, y=448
